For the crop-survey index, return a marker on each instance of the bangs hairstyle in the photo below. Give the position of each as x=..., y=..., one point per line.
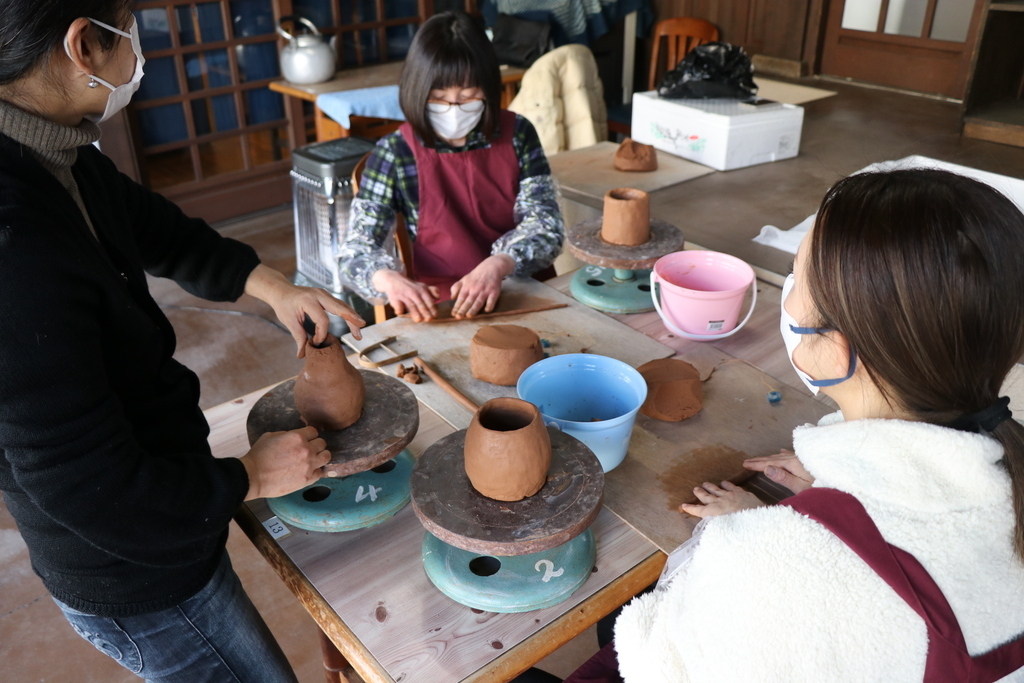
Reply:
x=449, y=50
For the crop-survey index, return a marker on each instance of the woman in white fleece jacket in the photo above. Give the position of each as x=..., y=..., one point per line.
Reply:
x=908, y=297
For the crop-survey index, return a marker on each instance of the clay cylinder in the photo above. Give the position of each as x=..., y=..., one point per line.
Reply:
x=508, y=450
x=329, y=392
x=499, y=353
x=627, y=217
x=674, y=390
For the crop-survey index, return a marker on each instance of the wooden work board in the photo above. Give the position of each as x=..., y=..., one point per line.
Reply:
x=445, y=346
x=666, y=460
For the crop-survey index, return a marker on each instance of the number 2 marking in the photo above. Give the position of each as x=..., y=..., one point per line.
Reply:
x=548, y=567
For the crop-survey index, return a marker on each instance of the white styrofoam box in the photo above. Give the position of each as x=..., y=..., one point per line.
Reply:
x=722, y=134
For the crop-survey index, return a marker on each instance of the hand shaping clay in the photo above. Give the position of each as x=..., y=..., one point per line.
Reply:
x=635, y=156
x=499, y=353
x=329, y=392
x=627, y=217
x=508, y=450
x=674, y=390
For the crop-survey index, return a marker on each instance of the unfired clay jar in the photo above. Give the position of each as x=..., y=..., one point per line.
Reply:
x=627, y=217
x=508, y=450
x=329, y=392
x=499, y=353
x=635, y=156
x=674, y=390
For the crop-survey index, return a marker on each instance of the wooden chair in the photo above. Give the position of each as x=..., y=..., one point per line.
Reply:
x=682, y=34
x=383, y=312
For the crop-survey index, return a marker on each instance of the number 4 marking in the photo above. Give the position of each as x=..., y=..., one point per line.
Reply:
x=370, y=493
x=548, y=567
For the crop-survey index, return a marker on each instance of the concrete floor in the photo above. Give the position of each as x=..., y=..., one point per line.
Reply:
x=243, y=349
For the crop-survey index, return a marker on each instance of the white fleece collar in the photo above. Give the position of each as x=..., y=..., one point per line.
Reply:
x=913, y=465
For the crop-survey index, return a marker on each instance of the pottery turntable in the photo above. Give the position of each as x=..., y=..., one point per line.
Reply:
x=508, y=555
x=621, y=246
x=367, y=480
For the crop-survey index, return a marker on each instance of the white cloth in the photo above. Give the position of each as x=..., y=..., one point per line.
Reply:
x=772, y=596
x=789, y=240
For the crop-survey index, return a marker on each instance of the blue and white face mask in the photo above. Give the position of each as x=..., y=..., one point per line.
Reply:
x=791, y=334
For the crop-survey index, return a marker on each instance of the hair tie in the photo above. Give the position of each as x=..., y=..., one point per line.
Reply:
x=986, y=419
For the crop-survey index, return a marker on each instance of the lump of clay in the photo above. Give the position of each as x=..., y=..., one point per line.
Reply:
x=674, y=390
x=627, y=217
x=499, y=353
x=635, y=156
x=508, y=450
x=329, y=392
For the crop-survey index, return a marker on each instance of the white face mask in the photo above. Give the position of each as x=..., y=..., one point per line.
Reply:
x=456, y=123
x=791, y=335
x=120, y=95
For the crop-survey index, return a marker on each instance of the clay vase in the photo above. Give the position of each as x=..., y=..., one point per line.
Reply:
x=329, y=392
x=508, y=450
x=635, y=156
x=627, y=217
x=500, y=353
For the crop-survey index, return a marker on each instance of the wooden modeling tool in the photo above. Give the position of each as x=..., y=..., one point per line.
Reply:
x=445, y=384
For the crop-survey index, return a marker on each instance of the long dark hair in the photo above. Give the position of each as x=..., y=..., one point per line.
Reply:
x=449, y=50
x=30, y=29
x=920, y=270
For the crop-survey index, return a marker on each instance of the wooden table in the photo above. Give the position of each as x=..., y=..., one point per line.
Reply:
x=372, y=76
x=369, y=595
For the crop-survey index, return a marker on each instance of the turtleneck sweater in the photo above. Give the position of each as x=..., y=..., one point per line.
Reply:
x=53, y=145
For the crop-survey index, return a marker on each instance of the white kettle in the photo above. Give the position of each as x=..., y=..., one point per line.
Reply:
x=305, y=59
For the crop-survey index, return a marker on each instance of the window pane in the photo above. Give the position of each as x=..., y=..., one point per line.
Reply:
x=399, y=39
x=861, y=15
x=161, y=80
x=252, y=17
x=952, y=19
x=215, y=114
x=317, y=11
x=449, y=5
x=368, y=38
x=906, y=17
x=207, y=70
x=396, y=9
x=160, y=125
x=221, y=156
x=262, y=104
x=169, y=168
x=257, y=61
x=268, y=146
x=154, y=29
x=366, y=10
x=200, y=25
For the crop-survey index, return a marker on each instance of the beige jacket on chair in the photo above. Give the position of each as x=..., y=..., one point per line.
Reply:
x=562, y=96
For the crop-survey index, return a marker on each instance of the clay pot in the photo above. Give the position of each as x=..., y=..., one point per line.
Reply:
x=500, y=353
x=627, y=217
x=674, y=390
x=329, y=392
x=635, y=156
x=508, y=450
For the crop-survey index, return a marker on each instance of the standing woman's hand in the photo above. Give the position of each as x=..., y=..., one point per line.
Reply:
x=480, y=289
x=407, y=296
x=292, y=304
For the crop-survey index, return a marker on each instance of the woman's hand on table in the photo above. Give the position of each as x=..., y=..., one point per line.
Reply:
x=480, y=289
x=407, y=296
x=292, y=304
x=782, y=468
x=280, y=463
x=720, y=500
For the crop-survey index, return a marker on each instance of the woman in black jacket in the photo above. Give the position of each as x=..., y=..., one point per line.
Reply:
x=104, y=462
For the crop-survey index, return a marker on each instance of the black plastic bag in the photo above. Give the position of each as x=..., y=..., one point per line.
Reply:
x=712, y=70
x=519, y=42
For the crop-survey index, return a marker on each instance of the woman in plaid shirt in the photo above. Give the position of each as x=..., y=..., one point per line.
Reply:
x=470, y=179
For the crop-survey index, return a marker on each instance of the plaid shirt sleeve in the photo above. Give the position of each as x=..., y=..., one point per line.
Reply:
x=537, y=239
x=368, y=245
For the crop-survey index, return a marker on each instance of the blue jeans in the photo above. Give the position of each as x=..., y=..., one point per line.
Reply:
x=216, y=636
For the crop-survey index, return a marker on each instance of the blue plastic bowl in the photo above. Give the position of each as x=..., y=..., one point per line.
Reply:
x=593, y=398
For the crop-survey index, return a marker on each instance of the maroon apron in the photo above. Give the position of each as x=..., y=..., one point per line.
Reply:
x=466, y=203
x=948, y=659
